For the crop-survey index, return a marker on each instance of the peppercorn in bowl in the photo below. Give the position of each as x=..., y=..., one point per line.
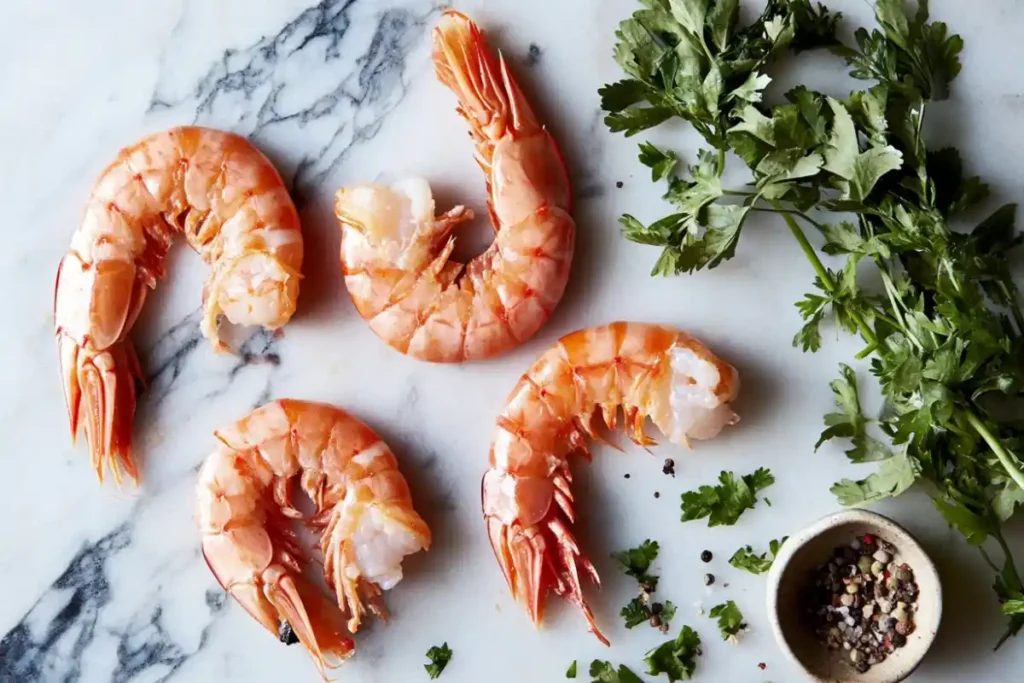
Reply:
x=853, y=598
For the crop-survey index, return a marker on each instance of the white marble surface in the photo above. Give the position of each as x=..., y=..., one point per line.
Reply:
x=97, y=585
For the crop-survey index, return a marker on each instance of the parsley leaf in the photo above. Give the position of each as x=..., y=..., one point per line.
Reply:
x=724, y=503
x=637, y=561
x=745, y=558
x=604, y=672
x=571, y=672
x=675, y=658
x=730, y=619
x=635, y=613
x=850, y=423
x=668, y=610
x=894, y=476
x=439, y=658
x=659, y=161
x=859, y=171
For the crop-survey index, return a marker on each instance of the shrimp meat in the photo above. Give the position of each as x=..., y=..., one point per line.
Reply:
x=528, y=504
x=232, y=206
x=363, y=513
x=395, y=251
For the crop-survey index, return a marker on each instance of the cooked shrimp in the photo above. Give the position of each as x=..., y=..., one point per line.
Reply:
x=395, y=252
x=235, y=211
x=363, y=512
x=649, y=371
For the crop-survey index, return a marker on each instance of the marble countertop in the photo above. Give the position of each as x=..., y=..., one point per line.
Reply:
x=98, y=585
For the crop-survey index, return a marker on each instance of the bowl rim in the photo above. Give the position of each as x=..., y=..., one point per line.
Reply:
x=822, y=526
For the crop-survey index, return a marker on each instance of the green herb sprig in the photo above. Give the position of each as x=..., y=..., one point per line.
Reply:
x=945, y=330
x=730, y=619
x=675, y=658
x=745, y=558
x=636, y=562
x=723, y=503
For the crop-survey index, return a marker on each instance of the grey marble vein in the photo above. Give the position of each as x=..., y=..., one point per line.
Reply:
x=319, y=73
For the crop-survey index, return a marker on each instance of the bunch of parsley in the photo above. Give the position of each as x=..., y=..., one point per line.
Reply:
x=943, y=325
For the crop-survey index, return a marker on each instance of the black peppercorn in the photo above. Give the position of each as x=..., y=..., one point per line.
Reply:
x=285, y=634
x=706, y=556
x=709, y=579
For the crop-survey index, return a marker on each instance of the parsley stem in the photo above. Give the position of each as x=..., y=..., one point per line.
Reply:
x=1004, y=457
x=823, y=274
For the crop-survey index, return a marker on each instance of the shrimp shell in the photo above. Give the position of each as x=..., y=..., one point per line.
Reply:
x=232, y=206
x=395, y=252
x=580, y=382
x=363, y=514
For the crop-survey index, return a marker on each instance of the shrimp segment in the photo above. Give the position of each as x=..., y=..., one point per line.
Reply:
x=580, y=382
x=363, y=513
x=395, y=251
x=232, y=206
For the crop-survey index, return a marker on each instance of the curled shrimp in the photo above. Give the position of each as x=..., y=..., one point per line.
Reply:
x=232, y=206
x=395, y=252
x=648, y=371
x=364, y=515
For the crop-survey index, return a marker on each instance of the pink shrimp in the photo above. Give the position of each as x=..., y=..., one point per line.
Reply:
x=648, y=371
x=364, y=515
x=395, y=252
x=232, y=206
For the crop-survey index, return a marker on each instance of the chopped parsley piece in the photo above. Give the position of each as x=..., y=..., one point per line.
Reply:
x=730, y=619
x=745, y=558
x=724, y=503
x=675, y=658
x=603, y=672
x=439, y=658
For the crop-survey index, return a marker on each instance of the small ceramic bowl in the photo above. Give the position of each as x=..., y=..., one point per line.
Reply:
x=793, y=571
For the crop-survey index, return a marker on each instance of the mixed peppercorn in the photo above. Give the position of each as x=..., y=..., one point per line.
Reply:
x=863, y=601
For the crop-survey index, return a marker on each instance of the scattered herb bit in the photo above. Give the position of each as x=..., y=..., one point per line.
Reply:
x=706, y=556
x=571, y=673
x=675, y=658
x=636, y=561
x=635, y=613
x=767, y=501
x=709, y=579
x=746, y=559
x=669, y=467
x=863, y=601
x=946, y=332
x=724, y=503
x=730, y=619
x=603, y=672
x=439, y=658
x=665, y=611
